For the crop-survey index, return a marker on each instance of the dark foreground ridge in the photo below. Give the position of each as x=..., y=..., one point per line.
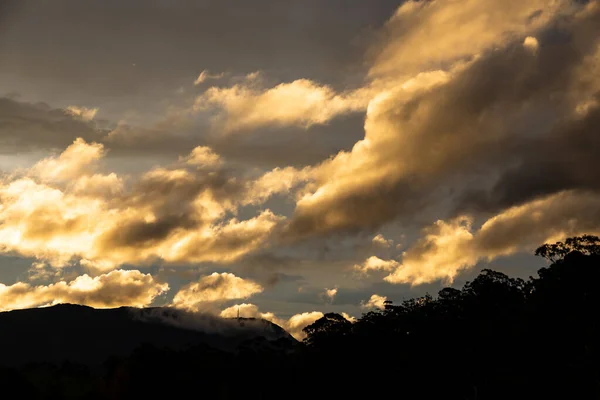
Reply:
x=496, y=338
x=84, y=335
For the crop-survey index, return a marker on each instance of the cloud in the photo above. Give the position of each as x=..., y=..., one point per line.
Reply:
x=293, y=325
x=79, y=159
x=572, y=144
x=226, y=242
x=40, y=271
x=446, y=248
x=349, y=317
x=299, y=321
x=34, y=126
x=330, y=293
x=531, y=43
x=375, y=301
x=375, y=263
x=114, y=289
x=206, y=322
x=450, y=127
x=203, y=156
x=276, y=181
x=214, y=288
x=380, y=241
x=433, y=115
x=86, y=114
x=42, y=222
x=247, y=310
x=248, y=105
x=205, y=75
x=425, y=34
x=438, y=255
x=354, y=190
x=62, y=210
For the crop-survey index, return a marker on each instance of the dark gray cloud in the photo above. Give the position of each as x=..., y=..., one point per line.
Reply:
x=566, y=159
x=25, y=126
x=29, y=127
x=268, y=148
x=553, y=150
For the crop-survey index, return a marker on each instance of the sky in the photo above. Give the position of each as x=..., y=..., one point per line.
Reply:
x=287, y=159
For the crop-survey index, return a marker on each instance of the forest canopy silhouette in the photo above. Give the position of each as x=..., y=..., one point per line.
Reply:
x=497, y=337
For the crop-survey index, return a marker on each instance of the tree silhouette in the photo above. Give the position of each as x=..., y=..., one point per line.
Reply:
x=498, y=336
x=586, y=244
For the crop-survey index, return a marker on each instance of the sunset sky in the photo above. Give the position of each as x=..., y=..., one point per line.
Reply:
x=296, y=157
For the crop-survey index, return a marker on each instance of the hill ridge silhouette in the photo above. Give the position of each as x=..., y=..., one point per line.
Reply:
x=83, y=334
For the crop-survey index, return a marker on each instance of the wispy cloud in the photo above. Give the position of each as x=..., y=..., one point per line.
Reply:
x=205, y=76
x=86, y=114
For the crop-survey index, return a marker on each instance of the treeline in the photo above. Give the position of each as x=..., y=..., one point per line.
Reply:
x=496, y=338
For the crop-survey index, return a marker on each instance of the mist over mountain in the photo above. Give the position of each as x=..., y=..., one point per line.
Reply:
x=89, y=336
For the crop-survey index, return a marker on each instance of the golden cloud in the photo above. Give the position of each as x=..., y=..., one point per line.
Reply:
x=375, y=263
x=114, y=289
x=86, y=114
x=330, y=293
x=349, y=317
x=424, y=34
x=449, y=247
x=61, y=210
x=79, y=159
x=380, y=241
x=438, y=255
x=375, y=301
x=214, y=288
x=302, y=102
x=203, y=156
x=300, y=321
x=294, y=325
x=276, y=181
x=531, y=43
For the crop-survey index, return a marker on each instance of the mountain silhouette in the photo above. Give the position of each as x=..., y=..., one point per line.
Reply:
x=84, y=335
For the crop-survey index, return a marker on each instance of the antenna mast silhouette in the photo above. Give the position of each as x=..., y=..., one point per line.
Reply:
x=240, y=322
